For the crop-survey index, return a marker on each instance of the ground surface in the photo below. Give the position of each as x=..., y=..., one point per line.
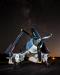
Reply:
x=28, y=68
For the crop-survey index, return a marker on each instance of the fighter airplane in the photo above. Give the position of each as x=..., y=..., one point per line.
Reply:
x=35, y=48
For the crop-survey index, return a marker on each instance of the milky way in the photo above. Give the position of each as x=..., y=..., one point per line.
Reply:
x=42, y=14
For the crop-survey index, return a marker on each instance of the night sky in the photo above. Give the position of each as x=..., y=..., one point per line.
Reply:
x=44, y=15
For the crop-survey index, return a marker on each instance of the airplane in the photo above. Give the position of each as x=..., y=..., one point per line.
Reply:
x=34, y=48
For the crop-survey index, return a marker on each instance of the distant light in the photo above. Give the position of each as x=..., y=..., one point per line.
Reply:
x=53, y=58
